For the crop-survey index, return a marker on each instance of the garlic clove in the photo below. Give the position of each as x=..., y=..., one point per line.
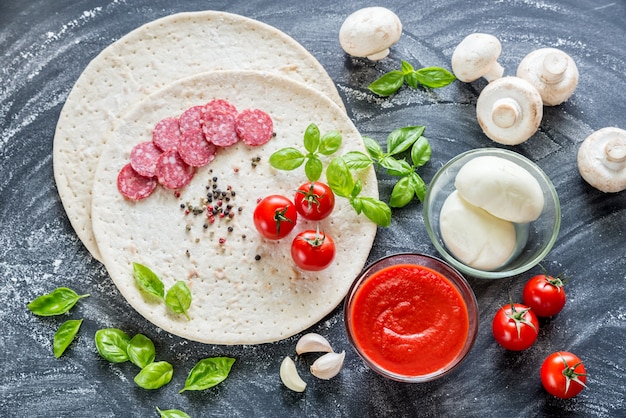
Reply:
x=290, y=377
x=313, y=343
x=328, y=365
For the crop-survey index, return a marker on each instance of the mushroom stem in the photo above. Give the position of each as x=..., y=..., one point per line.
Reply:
x=494, y=73
x=615, y=151
x=505, y=112
x=554, y=66
x=379, y=55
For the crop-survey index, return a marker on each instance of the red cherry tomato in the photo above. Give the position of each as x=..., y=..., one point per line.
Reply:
x=515, y=327
x=275, y=216
x=312, y=250
x=314, y=200
x=544, y=294
x=563, y=374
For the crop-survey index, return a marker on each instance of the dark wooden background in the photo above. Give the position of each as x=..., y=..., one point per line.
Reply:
x=44, y=47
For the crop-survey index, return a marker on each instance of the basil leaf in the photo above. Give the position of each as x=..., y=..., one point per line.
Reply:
x=155, y=375
x=208, y=373
x=65, y=335
x=411, y=80
x=112, y=344
x=373, y=148
x=172, y=413
x=376, y=210
x=418, y=185
x=402, y=193
x=388, y=84
x=356, y=160
x=401, y=139
x=178, y=298
x=407, y=68
x=57, y=302
x=398, y=168
x=330, y=143
x=339, y=178
x=141, y=350
x=358, y=186
x=420, y=152
x=434, y=77
x=148, y=281
x=287, y=159
x=313, y=168
x=312, y=138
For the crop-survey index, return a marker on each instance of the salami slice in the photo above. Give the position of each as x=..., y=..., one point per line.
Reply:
x=133, y=185
x=219, y=127
x=143, y=158
x=254, y=127
x=191, y=119
x=220, y=104
x=172, y=172
x=166, y=134
x=194, y=149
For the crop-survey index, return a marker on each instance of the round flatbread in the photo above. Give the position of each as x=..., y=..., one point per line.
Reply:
x=147, y=59
x=245, y=289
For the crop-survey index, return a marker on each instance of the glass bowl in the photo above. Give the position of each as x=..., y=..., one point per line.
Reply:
x=534, y=239
x=411, y=317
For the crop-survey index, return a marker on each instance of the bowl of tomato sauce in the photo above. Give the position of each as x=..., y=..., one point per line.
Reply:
x=411, y=317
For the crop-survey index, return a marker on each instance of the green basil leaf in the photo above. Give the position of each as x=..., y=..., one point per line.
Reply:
x=411, y=80
x=330, y=143
x=434, y=77
x=339, y=177
x=402, y=193
x=357, y=160
x=388, y=84
x=287, y=159
x=208, y=373
x=376, y=210
x=155, y=375
x=65, y=335
x=148, y=281
x=401, y=139
x=420, y=152
x=313, y=168
x=172, y=413
x=312, y=138
x=112, y=344
x=178, y=298
x=418, y=185
x=141, y=350
x=373, y=148
x=57, y=302
x=398, y=168
x=407, y=68
x=358, y=186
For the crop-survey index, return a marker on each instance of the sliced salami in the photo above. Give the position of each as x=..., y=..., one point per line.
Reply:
x=143, y=158
x=191, y=119
x=254, y=127
x=219, y=127
x=220, y=104
x=166, y=134
x=194, y=149
x=133, y=185
x=172, y=172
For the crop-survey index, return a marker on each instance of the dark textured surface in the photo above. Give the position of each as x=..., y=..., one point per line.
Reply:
x=44, y=47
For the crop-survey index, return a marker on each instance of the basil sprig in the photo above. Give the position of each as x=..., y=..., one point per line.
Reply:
x=430, y=77
x=57, y=302
x=172, y=413
x=65, y=335
x=207, y=373
x=177, y=298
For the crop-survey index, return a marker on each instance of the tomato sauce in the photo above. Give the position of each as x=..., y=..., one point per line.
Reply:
x=409, y=320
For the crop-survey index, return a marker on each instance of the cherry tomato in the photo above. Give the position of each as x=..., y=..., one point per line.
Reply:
x=515, y=327
x=312, y=250
x=314, y=200
x=563, y=374
x=275, y=216
x=544, y=294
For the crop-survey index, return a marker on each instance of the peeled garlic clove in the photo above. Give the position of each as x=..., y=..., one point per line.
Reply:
x=313, y=343
x=328, y=365
x=290, y=377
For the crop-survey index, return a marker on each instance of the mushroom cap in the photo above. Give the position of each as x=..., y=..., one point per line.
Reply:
x=553, y=73
x=370, y=32
x=509, y=110
x=475, y=56
x=602, y=160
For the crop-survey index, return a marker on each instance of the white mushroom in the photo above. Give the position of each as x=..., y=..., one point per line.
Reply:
x=370, y=32
x=509, y=110
x=602, y=160
x=553, y=73
x=477, y=56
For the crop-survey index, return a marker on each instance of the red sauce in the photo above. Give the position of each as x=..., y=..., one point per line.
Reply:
x=409, y=320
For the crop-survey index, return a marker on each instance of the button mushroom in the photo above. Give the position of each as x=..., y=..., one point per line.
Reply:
x=509, y=110
x=477, y=56
x=602, y=160
x=553, y=73
x=370, y=32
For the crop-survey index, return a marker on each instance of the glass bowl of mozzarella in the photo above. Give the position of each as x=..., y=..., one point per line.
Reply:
x=492, y=213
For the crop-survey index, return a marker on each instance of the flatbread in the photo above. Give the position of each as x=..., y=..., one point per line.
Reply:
x=147, y=59
x=237, y=299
